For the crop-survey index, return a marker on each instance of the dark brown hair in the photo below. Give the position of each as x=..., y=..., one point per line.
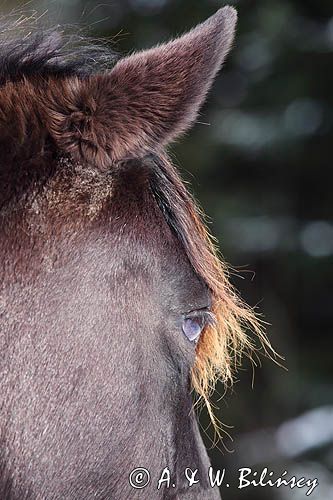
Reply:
x=55, y=102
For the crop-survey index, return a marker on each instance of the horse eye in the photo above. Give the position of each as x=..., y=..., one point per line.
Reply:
x=193, y=326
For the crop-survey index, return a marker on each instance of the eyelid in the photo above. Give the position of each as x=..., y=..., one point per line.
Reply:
x=208, y=315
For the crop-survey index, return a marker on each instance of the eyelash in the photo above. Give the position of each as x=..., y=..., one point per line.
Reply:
x=208, y=316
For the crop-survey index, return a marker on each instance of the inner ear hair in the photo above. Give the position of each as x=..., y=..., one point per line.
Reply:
x=145, y=102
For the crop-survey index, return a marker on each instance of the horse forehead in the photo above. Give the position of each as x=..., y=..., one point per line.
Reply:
x=117, y=235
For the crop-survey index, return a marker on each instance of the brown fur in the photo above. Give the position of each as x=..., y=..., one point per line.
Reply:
x=147, y=100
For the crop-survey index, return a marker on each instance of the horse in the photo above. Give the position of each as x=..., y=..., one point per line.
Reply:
x=114, y=304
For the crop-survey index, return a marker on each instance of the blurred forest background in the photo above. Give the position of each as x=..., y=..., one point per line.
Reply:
x=263, y=173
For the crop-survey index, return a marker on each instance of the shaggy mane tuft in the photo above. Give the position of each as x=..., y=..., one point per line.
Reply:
x=38, y=52
x=222, y=344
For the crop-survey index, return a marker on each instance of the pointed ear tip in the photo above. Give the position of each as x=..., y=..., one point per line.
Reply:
x=223, y=22
x=229, y=10
x=227, y=14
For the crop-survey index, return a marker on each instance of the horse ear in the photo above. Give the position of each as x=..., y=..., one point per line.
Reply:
x=149, y=98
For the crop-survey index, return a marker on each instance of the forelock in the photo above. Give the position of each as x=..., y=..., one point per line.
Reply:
x=32, y=52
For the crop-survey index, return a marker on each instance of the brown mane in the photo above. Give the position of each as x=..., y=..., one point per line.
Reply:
x=222, y=344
